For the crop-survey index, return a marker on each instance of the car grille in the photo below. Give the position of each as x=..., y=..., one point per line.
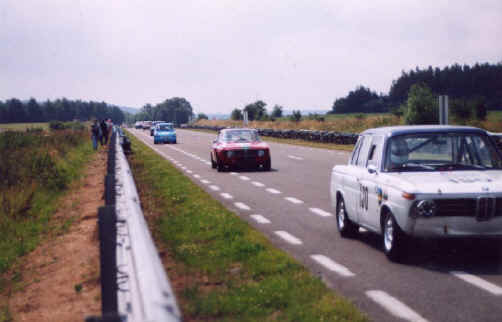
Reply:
x=245, y=154
x=483, y=208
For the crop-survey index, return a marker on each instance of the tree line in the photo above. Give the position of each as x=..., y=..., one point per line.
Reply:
x=17, y=111
x=176, y=110
x=465, y=85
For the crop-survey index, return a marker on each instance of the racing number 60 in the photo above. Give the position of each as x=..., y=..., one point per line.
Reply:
x=363, y=201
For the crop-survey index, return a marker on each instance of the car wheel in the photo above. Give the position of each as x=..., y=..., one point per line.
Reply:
x=267, y=166
x=394, y=239
x=219, y=166
x=213, y=164
x=345, y=226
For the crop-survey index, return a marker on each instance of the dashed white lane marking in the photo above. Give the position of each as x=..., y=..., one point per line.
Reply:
x=196, y=176
x=258, y=184
x=234, y=173
x=242, y=206
x=215, y=188
x=394, y=306
x=273, y=191
x=207, y=162
x=479, y=282
x=293, y=200
x=188, y=171
x=260, y=219
x=294, y=157
x=226, y=195
x=288, y=237
x=244, y=178
x=205, y=181
x=332, y=265
x=320, y=212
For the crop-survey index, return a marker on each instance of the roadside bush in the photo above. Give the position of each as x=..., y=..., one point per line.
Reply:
x=56, y=125
x=421, y=106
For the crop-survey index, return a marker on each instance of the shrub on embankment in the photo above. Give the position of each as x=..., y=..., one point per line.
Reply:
x=35, y=168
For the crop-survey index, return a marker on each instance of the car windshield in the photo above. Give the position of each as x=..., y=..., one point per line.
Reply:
x=441, y=152
x=241, y=136
x=165, y=127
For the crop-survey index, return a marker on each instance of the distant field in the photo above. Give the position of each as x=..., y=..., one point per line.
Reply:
x=23, y=126
x=352, y=123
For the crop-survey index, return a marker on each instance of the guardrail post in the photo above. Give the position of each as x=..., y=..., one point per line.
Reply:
x=107, y=220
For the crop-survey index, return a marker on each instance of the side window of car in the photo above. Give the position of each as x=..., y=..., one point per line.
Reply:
x=355, y=152
x=363, y=152
x=375, y=152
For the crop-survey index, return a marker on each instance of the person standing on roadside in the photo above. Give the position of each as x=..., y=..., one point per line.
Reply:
x=95, y=134
x=104, y=130
x=110, y=127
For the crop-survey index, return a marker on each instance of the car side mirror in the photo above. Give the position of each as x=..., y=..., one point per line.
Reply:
x=372, y=168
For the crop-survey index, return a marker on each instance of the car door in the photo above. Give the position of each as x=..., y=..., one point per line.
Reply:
x=369, y=187
x=355, y=170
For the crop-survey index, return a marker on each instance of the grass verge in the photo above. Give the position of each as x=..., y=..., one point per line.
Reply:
x=221, y=268
x=40, y=169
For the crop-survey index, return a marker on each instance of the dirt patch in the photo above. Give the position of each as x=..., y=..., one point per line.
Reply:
x=60, y=281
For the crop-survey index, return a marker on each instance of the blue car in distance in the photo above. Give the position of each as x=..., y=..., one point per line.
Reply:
x=164, y=133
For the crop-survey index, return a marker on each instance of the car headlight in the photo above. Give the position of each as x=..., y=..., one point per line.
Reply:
x=230, y=154
x=261, y=153
x=426, y=208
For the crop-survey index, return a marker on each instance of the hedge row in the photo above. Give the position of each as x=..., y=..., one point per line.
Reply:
x=307, y=135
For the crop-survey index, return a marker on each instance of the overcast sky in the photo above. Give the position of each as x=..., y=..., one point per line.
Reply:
x=223, y=54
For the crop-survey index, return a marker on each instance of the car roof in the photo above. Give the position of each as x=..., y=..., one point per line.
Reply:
x=410, y=129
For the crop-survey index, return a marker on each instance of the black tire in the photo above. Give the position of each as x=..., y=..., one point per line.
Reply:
x=219, y=166
x=267, y=166
x=213, y=164
x=394, y=239
x=346, y=227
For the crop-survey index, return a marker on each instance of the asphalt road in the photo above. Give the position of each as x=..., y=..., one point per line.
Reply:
x=439, y=281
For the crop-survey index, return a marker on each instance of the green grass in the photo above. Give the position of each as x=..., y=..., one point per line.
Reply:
x=231, y=271
x=40, y=168
x=23, y=126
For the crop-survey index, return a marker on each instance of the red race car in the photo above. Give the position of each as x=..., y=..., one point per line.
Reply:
x=239, y=148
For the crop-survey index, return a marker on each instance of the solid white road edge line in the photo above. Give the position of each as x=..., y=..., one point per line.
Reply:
x=242, y=206
x=332, y=265
x=293, y=200
x=273, y=191
x=479, y=282
x=288, y=237
x=244, y=178
x=394, y=306
x=258, y=184
x=260, y=219
x=295, y=157
x=320, y=212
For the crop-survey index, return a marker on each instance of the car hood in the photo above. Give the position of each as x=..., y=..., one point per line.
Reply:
x=164, y=132
x=243, y=145
x=448, y=181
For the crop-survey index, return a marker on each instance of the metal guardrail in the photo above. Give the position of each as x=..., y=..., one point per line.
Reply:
x=134, y=285
x=144, y=292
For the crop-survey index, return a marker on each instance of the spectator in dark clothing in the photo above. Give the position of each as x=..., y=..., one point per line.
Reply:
x=95, y=134
x=104, y=130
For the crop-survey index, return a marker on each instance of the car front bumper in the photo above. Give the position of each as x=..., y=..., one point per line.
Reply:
x=164, y=139
x=446, y=227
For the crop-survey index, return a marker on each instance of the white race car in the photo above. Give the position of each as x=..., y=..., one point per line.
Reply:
x=420, y=181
